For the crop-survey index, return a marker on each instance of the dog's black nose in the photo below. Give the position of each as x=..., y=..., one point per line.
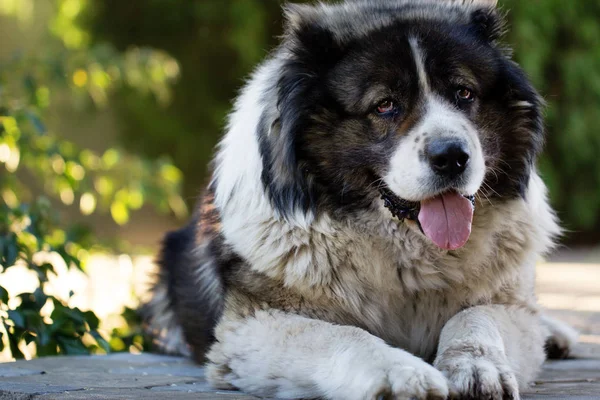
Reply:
x=448, y=157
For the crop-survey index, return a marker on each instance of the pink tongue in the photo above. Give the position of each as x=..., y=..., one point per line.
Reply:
x=446, y=220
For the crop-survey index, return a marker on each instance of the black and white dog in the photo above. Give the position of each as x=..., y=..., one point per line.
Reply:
x=375, y=207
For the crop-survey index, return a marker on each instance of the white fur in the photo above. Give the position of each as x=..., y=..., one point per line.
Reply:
x=420, y=64
x=310, y=358
x=238, y=162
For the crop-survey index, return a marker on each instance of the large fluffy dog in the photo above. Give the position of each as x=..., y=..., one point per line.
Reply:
x=374, y=207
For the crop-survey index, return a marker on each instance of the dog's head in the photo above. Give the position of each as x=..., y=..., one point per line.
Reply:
x=413, y=99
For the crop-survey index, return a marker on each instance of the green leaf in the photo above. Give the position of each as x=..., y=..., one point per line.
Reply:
x=104, y=345
x=3, y=296
x=71, y=345
x=33, y=301
x=28, y=337
x=48, y=349
x=17, y=318
x=44, y=338
x=10, y=250
x=46, y=268
x=28, y=242
x=67, y=321
x=13, y=342
x=40, y=297
x=92, y=320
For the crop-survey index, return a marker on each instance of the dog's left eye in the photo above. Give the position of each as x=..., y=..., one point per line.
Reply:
x=386, y=107
x=465, y=95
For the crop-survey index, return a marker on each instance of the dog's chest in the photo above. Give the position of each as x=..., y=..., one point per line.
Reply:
x=406, y=305
x=403, y=290
x=414, y=322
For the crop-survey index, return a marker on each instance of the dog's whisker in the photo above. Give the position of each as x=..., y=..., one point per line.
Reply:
x=378, y=182
x=480, y=194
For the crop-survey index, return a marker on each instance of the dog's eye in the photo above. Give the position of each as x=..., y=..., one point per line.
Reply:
x=386, y=107
x=465, y=95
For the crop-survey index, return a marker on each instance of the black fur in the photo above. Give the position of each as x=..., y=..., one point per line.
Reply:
x=193, y=263
x=195, y=313
x=487, y=24
x=284, y=174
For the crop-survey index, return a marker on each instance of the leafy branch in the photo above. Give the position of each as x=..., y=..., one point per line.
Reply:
x=31, y=232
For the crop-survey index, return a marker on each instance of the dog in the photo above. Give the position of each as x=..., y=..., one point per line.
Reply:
x=374, y=216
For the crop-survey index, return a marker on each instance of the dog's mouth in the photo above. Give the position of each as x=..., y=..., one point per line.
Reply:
x=445, y=219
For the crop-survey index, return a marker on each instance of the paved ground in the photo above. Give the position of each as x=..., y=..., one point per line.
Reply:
x=570, y=291
x=126, y=376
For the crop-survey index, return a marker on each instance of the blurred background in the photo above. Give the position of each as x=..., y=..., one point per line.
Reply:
x=109, y=112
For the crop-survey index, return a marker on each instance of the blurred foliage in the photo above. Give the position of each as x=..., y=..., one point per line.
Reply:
x=557, y=42
x=26, y=233
x=219, y=42
x=31, y=233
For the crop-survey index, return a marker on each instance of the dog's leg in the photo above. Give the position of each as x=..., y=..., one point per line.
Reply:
x=274, y=354
x=489, y=352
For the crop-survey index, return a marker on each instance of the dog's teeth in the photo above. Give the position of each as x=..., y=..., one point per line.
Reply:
x=471, y=199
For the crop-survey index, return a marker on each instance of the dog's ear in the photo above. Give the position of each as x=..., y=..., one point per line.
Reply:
x=309, y=51
x=522, y=127
x=488, y=23
x=308, y=36
x=297, y=15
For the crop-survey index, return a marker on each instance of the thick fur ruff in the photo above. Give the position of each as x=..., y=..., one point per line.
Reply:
x=293, y=280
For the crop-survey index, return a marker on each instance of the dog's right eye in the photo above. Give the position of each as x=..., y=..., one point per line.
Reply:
x=386, y=108
x=464, y=95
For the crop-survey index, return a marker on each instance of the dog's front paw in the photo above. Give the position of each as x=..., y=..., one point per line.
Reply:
x=389, y=375
x=420, y=381
x=479, y=377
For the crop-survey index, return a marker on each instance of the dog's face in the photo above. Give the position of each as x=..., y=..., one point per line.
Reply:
x=408, y=96
x=410, y=109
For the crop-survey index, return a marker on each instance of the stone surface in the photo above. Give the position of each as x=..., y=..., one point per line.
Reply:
x=127, y=376
x=118, y=376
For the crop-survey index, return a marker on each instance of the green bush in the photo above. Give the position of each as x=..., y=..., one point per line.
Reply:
x=31, y=232
x=557, y=43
